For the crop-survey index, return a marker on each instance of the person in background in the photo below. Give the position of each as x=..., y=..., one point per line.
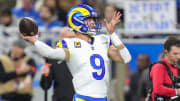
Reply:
x=26, y=10
x=8, y=3
x=58, y=72
x=143, y=61
x=145, y=83
x=50, y=3
x=47, y=19
x=163, y=85
x=6, y=18
x=49, y=24
x=8, y=29
x=16, y=73
x=63, y=7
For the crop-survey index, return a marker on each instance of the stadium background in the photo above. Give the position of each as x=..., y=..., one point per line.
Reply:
x=144, y=27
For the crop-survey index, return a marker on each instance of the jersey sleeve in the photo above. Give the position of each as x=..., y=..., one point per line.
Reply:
x=107, y=40
x=61, y=44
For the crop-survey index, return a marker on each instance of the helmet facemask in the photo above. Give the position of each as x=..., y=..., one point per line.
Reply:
x=92, y=26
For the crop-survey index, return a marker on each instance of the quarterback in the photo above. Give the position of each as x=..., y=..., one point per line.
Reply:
x=87, y=54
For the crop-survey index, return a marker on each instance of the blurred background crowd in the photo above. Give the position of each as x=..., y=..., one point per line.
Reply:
x=144, y=26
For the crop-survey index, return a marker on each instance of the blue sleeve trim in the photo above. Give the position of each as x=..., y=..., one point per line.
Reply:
x=110, y=43
x=64, y=43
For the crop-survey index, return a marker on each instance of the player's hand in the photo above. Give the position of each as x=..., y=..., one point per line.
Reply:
x=31, y=39
x=112, y=24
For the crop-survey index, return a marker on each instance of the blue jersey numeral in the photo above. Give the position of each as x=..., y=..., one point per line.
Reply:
x=99, y=66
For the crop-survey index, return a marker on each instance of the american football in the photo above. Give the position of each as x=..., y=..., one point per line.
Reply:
x=28, y=27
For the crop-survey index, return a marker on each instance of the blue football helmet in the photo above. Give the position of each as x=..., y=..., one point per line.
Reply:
x=76, y=19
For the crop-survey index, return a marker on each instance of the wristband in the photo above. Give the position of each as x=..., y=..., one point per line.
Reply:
x=125, y=55
x=115, y=39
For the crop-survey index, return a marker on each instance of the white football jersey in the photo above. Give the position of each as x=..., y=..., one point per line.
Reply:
x=89, y=64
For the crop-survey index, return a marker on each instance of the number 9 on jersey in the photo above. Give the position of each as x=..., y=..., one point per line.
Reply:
x=99, y=66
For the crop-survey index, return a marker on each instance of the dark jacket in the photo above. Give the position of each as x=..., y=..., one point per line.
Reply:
x=62, y=81
x=134, y=85
x=144, y=84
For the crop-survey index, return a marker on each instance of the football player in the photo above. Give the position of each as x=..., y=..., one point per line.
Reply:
x=87, y=55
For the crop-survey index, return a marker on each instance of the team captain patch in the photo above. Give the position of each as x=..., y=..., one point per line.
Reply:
x=77, y=44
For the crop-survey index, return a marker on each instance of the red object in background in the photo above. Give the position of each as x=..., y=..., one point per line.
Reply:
x=127, y=81
x=160, y=77
x=34, y=69
x=48, y=66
